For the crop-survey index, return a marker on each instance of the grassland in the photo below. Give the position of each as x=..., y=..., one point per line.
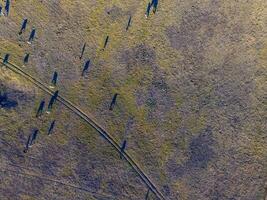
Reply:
x=192, y=99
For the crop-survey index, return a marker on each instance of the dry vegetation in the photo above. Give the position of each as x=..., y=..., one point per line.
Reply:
x=192, y=99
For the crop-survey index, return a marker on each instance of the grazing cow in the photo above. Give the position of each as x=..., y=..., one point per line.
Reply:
x=86, y=66
x=28, y=143
x=52, y=100
x=31, y=139
x=155, y=5
x=26, y=58
x=6, y=58
x=41, y=108
x=54, y=79
x=113, y=102
x=7, y=7
x=23, y=26
x=34, y=137
x=32, y=35
x=52, y=125
x=148, y=9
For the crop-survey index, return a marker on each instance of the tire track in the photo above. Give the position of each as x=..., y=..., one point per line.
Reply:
x=92, y=123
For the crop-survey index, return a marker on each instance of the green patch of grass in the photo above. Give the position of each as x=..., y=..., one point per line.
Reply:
x=67, y=171
x=26, y=197
x=173, y=121
x=196, y=123
x=166, y=150
x=12, y=48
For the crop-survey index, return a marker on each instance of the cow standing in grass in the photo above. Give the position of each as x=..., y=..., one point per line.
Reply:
x=148, y=9
x=51, y=128
x=54, y=79
x=1, y=10
x=86, y=67
x=155, y=5
x=26, y=58
x=7, y=7
x=31, y=139
x=23, y=26
x=113, y=102
x=32, y=35
x=6, y=58
x=52, y=101
x=41, y=108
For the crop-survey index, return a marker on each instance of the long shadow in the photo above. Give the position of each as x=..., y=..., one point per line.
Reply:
x=92, y=123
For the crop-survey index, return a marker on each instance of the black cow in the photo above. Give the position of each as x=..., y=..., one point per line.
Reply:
x=32, y=35
x=6, y=58
x=52, y=125
x=26, y=58
x=148, y=9
x=113, y=102
x=7, y=7
x=52, y=100
x=86, y=66
x=54, y=79
x=41, y=108
x=23, y=26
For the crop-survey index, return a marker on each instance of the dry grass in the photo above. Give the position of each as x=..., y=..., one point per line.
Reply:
x=192, y=78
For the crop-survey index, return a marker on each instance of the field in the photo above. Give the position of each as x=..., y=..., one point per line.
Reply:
x=192, y=100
